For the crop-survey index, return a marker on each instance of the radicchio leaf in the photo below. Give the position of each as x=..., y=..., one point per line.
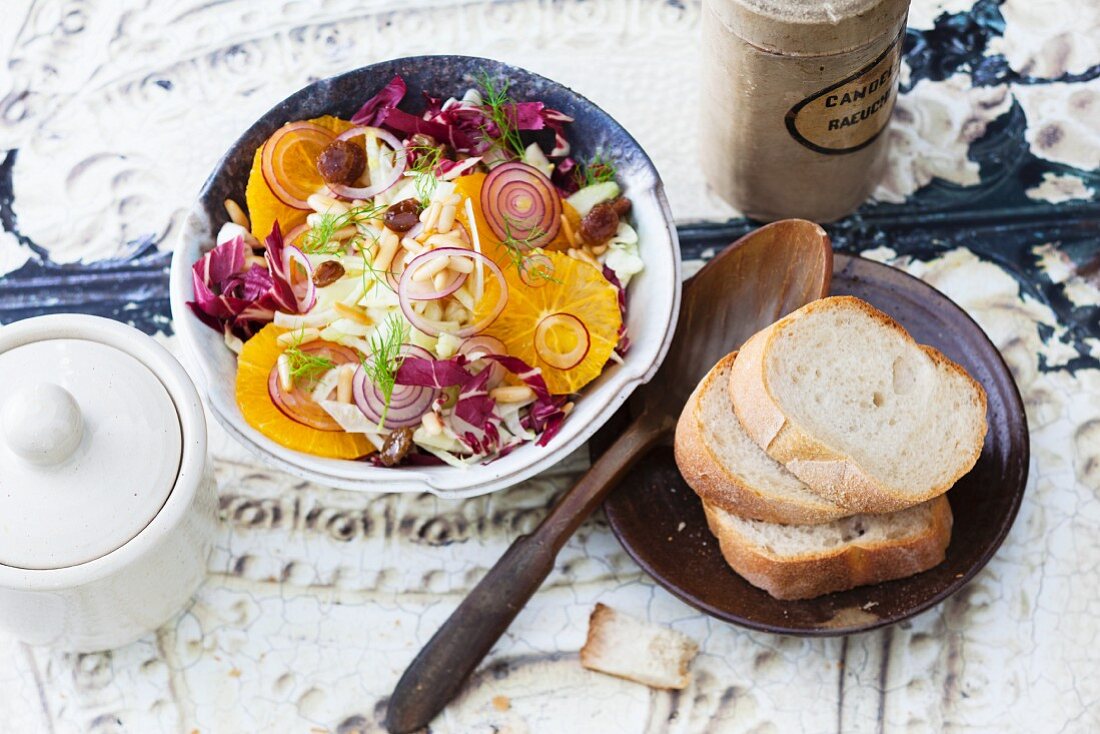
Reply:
x=564, y=176
x=474, y=404
x=624, y=341
x=374, y=111
x=230, y=298
x=546, y=414
x=437, y=373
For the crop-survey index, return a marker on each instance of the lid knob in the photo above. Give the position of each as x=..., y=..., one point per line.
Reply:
x=42, y=424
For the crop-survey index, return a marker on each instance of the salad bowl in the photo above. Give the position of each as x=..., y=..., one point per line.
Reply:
x=653, y=295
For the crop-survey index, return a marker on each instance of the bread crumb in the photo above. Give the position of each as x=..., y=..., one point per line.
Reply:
x=629, y=648
x=680, y=527
x=501, y=703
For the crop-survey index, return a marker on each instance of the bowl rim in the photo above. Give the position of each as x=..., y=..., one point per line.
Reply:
x=443, y=481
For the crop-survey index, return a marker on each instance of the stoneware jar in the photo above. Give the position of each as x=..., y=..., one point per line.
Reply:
x=107, y=506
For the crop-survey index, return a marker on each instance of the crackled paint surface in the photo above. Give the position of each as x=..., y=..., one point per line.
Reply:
x=111, y=115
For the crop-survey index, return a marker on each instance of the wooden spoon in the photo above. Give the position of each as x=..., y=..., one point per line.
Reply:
x=768, y=273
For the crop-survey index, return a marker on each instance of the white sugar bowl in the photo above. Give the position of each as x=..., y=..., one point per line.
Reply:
x=107, y=502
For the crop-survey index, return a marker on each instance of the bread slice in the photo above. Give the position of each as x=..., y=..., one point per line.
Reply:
x=804, y=561
x=626, y=647
x=842, y=396
x=727, y=469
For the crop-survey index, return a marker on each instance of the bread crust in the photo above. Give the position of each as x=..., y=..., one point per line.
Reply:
x=600, y=653
x=828, y=472
x=714, y=484
x=839, y=569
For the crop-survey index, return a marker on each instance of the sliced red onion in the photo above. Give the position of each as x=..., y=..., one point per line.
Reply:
x=297, y=403
x=537, y=270
x=295, y=233
x=271, y=159
x=407, y=402
x=305, y=292
x=433, y=328
x=554, y=358
x=376, y=187
x=479, y=346
x=521, y=204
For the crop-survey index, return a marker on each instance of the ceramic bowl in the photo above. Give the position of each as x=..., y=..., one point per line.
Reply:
x=654, y=295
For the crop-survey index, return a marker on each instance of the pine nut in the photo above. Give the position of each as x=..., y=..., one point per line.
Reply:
x=445, y=240
x=569, y=234
x=432, y=424
x=426, y=271
x=463, y=296
x=598, y=250
x=387, y=248
x=236, y=214
x=462, y=264
x=567, y=408
x=433, y=217
x=441, y=279
x=583, y=257
x=343, y=387
x=512, y=394
x=257, y=260
x=447, y=218
x=326, y=204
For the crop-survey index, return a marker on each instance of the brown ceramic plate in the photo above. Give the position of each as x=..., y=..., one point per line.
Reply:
x=660, y=522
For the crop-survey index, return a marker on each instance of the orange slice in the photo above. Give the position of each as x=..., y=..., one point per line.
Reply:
x=254, y=367
x=567, y=326
x=469, y=186
x=264, y=208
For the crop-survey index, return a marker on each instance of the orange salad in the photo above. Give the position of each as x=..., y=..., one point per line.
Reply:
x=415, y=288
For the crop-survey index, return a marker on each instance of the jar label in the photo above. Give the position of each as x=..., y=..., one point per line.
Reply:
x=850, y=114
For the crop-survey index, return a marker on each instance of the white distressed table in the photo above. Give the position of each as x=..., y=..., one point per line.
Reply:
x=111, y=115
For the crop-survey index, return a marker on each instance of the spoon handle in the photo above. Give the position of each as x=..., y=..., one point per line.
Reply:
x=443, y=665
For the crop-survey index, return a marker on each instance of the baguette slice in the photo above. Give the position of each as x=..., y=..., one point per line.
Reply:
x=842, y=396
x=726, y=469
x=623, y=646
x=804, y=561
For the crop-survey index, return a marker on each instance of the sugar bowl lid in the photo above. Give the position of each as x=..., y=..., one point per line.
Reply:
x=90, y=441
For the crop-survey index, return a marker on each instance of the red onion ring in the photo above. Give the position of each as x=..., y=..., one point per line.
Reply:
x=431, y=327
x=375, y=188
x=305, y=292
x=271, y=159
x=407, y=402
x=297, y=404
x=537, y=270
x=295, y=233
x=483, y=344
x=562, y=360
x=520, y=202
